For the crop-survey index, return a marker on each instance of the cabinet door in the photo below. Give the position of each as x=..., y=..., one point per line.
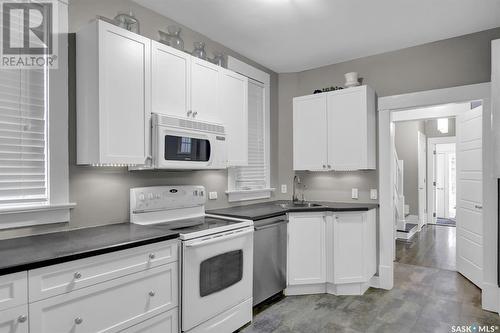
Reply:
x=306, y=249
x=15, y=320
x=124, y=95
x=348, y=248
x=171, y=80
x=13, y=290
x=310, y=133
x=347, y=129
x=204, y=90
x=233, y=101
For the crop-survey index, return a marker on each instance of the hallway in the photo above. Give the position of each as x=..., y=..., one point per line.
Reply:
x=428, y=296
x=434, y=246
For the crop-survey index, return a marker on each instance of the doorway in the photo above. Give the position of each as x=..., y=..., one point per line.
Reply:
x=467, y=177
x=441, y=170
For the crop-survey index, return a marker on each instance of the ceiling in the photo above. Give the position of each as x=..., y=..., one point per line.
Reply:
x=295, y=35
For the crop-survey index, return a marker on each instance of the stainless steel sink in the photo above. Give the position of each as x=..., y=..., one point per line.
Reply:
x=299, y=205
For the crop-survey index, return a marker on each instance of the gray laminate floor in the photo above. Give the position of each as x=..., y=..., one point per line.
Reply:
x=424, y=299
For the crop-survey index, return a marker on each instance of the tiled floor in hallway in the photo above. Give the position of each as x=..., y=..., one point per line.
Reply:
x=424, y=299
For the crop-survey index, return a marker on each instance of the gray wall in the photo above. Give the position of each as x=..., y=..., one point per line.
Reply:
x=406, y=140
x=453, y=62
x=102, y=194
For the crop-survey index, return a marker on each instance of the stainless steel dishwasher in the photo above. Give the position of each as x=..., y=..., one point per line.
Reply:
x=269, y=258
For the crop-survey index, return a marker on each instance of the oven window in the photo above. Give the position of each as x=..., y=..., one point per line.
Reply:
x=180, y=148
x=219, y=272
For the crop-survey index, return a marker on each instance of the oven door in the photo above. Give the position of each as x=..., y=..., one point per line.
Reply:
x=216, y=274
x=182, y=149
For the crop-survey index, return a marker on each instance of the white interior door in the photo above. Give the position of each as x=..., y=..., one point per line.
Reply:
x=469, y=196
x=440, y=184
x=422, y=182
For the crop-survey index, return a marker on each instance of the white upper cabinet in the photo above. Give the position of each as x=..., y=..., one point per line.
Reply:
x=171, y=80
x=306, y=249
x=204, y=90
x=335, y=130
x=233, y=101
x=113, y=95
x=351, y=129
x=123, y=77
x=310, y=133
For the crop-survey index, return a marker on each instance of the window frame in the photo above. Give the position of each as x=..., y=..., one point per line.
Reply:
x=57, y=207
x=264, y=79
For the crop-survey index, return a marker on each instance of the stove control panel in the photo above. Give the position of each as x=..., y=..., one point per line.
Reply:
x=158, y=198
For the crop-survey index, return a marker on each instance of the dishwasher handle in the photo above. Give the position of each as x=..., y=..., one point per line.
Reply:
x=272, y=225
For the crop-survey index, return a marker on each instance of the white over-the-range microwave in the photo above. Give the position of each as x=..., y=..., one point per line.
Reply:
x=185, y=144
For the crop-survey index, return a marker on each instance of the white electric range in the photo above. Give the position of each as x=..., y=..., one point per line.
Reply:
x=217, y=256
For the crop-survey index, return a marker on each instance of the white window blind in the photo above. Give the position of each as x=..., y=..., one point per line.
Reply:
x=254, y=176
x=23, y=153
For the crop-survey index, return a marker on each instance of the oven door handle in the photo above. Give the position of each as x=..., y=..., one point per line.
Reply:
x=215, y=239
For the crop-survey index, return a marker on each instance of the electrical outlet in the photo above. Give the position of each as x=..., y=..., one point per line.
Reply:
x=354, y=193
x=212, y=195
x=283, y=188
x=373, y=194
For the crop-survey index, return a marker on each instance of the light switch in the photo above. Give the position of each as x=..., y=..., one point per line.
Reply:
x=283, y=188
x=212, y=195
x=373, y=194
x=354, y=193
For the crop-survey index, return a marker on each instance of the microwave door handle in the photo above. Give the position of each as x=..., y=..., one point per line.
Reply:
x=233, y=235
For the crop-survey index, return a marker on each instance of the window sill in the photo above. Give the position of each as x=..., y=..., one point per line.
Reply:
x=33, y=215
x=243, y=195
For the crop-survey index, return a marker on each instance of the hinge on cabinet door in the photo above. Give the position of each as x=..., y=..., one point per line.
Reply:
x=433, y=214
x=434, y=184
x=434, y=152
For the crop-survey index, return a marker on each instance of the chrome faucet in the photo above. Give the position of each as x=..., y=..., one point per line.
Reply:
x=296, y=181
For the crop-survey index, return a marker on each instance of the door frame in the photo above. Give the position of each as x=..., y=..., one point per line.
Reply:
x=422, y=218
x=431, y=194
x=392, y=105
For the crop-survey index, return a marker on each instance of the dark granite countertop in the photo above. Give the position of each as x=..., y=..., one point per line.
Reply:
x=23, y=253
x=273, y=208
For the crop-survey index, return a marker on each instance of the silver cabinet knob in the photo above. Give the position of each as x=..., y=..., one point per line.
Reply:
x=152, y=256
x=478, y=206
x=195, y=113
x=78, y=320
x=329, y=166
x=189, y=113
x=324, y=166
x=77, y=275
x=22, y=318
x=152, y=293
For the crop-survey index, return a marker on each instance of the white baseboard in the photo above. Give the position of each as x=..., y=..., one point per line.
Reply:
x=305, y=289
x=385, y=277
x=490, y=297
x=349, y=289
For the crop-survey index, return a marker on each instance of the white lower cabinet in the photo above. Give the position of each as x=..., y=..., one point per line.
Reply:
x=133, y=290
x=331, y=252
x=354, y=247
x=13, y=290
x=306, y=249
x=14, y=320
x=167, y=322
x=109, y=306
